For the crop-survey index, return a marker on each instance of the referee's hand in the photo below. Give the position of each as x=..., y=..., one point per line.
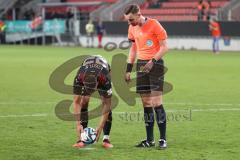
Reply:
x=147, y=68
x=128, y=77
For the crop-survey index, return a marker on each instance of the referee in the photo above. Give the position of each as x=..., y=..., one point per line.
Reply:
x=148, y=39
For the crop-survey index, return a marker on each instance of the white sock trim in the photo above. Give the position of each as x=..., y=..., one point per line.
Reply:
x=106, y=137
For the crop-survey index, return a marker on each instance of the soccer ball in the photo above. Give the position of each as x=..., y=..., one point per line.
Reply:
x=89, y=135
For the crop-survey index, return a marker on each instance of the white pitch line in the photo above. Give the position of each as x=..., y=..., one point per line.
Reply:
x=203, y=104
x=187, y=110
x=169, y=111
x=24, y=115
x=25, y=103
x=87, y=148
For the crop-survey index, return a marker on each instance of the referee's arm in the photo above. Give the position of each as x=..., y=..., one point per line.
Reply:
x=132, y=53
x=162, y=51
x=131, y=60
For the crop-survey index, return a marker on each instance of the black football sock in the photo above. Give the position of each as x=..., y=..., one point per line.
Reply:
x=149, y=122
x=108, y=125
x=161, y=121
x=84, y=117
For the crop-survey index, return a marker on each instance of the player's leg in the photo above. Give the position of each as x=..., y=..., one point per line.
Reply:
x=107, y=127
x=217, y=45
x=83, y=116
x=106, y=99
x=106, y=131
x=99, y=41
x=92, y=40
x=88, y=37
x=84, y=110
x=214, y=45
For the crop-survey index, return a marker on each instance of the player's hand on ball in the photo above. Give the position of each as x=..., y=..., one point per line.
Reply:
x=128, y=77
x=147, y=68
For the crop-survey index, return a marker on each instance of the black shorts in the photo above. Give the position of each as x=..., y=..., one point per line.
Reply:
x=152, y=81
x=104, y=91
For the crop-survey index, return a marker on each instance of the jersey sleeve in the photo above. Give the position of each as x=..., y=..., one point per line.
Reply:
x=130, y=35
x=159, y=31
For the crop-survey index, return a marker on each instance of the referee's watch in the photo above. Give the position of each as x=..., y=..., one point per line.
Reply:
x=154, y=60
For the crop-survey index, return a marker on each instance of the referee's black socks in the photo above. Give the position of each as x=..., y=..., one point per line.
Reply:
x=149, y=122
x=161, y=120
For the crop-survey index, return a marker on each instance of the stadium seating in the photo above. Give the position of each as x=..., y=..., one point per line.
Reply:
x=189, y=4
x=172, y=11
x=180, y=10
x=85, y=9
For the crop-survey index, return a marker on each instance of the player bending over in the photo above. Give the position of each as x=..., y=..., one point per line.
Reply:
x=94, y=74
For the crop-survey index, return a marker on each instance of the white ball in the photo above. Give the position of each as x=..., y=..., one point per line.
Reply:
x=89, y=135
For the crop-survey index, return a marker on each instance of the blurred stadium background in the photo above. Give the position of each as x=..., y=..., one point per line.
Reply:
x=62, y=22
x=203, y=107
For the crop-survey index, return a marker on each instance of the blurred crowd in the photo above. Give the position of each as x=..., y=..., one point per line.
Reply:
x=152, y=4
x=204, y=10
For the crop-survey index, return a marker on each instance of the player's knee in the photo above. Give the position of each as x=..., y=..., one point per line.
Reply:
x=107, y=103
x=152, y=103
x=76, y=100
x=156, y=103
x=84, y=103
x=147, y=102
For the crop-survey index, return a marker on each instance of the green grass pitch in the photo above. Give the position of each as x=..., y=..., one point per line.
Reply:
x=203, y=108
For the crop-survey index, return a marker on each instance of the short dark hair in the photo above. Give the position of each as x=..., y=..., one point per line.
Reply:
x=133, y=8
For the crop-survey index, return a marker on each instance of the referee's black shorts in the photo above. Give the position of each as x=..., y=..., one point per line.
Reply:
x=152, y=81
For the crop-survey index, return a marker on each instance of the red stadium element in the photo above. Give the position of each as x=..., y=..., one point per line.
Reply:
x=36, y=22
x=180, y=10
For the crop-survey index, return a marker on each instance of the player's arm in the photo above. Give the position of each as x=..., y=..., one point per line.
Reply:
x=212, y=27
x=106, y=102
x=77, y=112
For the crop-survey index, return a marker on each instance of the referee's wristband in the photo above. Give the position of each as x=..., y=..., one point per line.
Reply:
x=154, y=60
x=129, y=67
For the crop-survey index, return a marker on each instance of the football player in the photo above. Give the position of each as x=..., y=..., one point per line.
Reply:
x=93, y=75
